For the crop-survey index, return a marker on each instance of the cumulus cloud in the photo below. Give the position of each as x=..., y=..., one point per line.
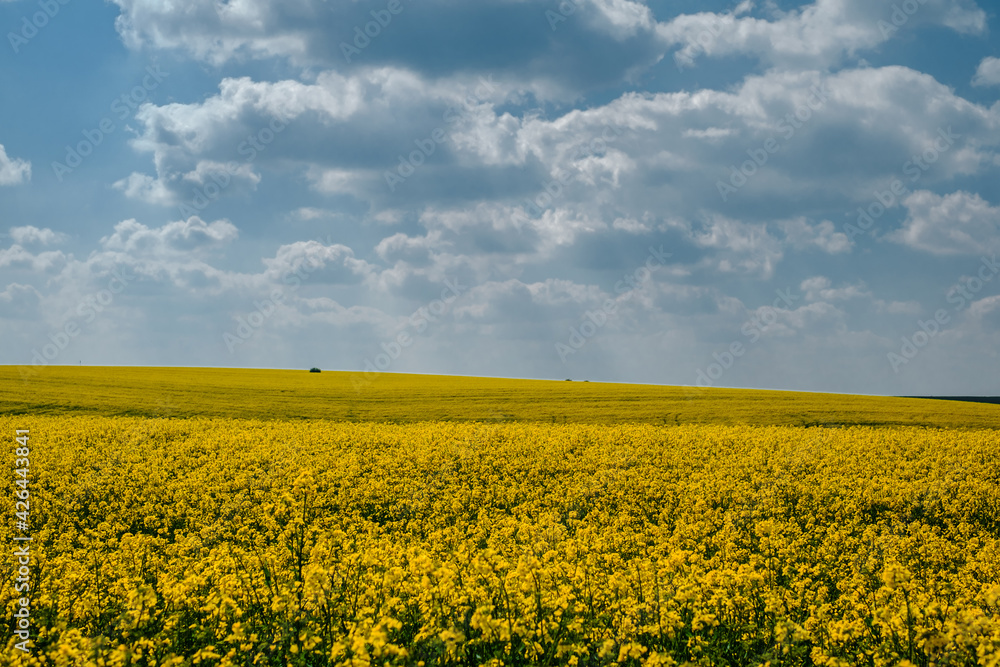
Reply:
x=318, y=263
x=961, y=223
x=12, y=170
x=620, y=36
x=44, y=262
x=225, y=139
x=145, y=188
x=613, y=155
x=820, y=288
x=800, y=234
x=417, y=250
x=557, y=163
x=988, y=73
x=736, y=246
x=819, y=34
x=212, y=32
x=638, y=142
x=181, y=236
x=31, y=235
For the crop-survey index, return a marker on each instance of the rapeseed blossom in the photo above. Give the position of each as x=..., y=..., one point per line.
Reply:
x=242, y=542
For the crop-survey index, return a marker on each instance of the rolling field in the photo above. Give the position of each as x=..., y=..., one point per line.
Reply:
x=221, y=517
x=390, y=397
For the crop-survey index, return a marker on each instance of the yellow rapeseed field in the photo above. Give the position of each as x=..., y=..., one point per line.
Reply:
x=233, y=541
x=402, y=398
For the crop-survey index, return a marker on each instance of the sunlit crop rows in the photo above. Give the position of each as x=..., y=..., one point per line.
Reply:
x=314, y=543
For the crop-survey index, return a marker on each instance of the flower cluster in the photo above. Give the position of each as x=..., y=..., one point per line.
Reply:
x=242, y=542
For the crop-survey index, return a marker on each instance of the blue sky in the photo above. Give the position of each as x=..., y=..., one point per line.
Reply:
x=749, y=194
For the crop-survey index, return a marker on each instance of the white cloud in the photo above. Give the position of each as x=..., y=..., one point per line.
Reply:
x=327, y=263
x=230, y=136
x=311, y=32
x=222, y=175
x=145, y=188
x=737, y=246
x=632, y=226
x=819, y=288
x=881, y=118
x=988, y=73
x=633, y=165
x=182, y=236
x=12, y=170
x=802, y=235
x=313, y=213
x=335, y=181
x=623, y=19
x=314, y=33
x=209, y=31
x=961, y=223
x=43, y=262
x=815, y=35
x=609, y=155
x=415, y=250
x=30, y=235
